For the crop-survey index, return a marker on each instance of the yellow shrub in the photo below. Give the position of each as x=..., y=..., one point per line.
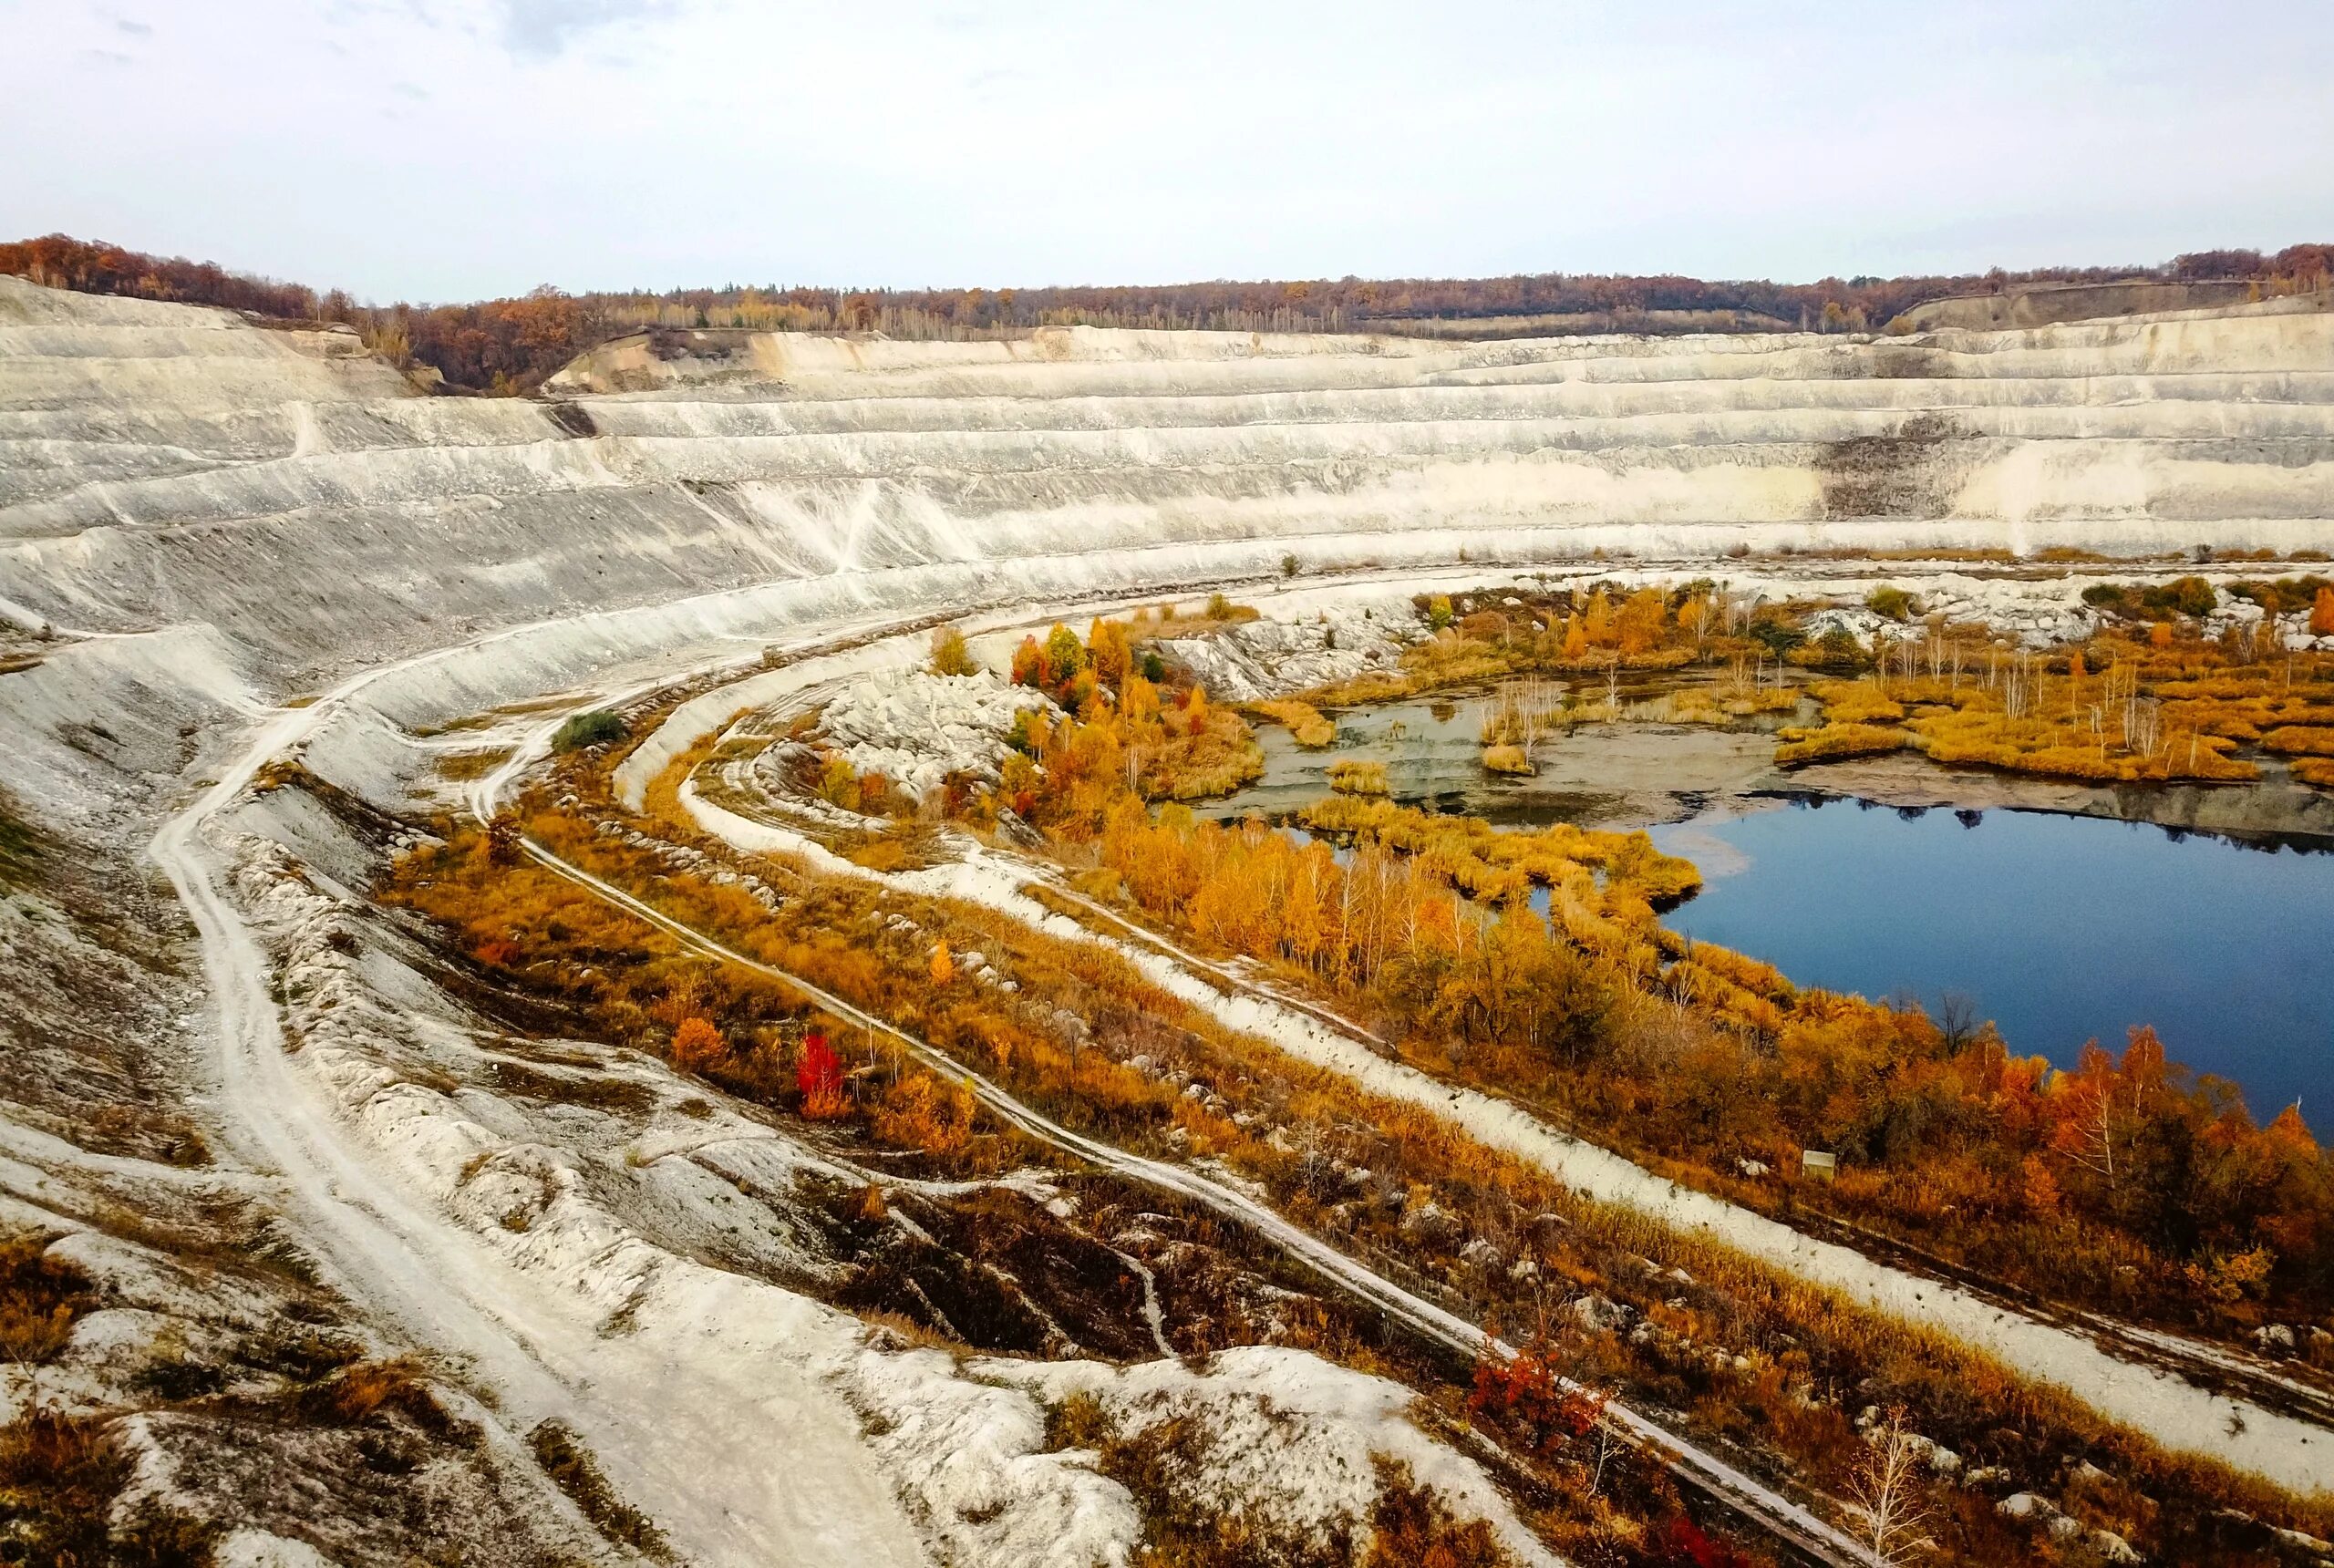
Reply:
x=1349, y=776
x=1855, y=702
x=919, y=1113
x=2303, y=741
x=1506, y=759
x=1307, y=724
x=1838, y=740
x=1748, y=973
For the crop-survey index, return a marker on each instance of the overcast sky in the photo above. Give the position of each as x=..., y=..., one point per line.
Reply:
x=434, y=149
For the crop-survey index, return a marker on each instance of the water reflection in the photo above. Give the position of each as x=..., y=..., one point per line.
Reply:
x=2060, y=928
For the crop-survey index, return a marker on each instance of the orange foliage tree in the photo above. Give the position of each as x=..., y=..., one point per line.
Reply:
x=698, y=1045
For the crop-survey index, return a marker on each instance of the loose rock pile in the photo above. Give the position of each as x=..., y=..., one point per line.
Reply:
x=1263, y=659
x=917, y=729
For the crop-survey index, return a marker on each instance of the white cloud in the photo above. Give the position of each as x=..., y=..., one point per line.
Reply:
x=539, y=29
x=657, y=142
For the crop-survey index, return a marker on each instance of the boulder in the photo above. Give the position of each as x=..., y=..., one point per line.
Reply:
x=1600, y=1314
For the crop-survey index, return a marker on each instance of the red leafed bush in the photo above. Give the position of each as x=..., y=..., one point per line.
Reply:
x=1682, y=1544
x=1526, y=1398
x=818, y=1076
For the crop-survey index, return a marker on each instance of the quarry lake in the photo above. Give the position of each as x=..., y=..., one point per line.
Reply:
x=2060, y=928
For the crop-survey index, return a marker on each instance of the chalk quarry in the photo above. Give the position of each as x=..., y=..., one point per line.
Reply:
x=254, y=1113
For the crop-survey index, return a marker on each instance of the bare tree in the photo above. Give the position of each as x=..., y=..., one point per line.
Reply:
x=1605, y=1445
x=1886, y=1489
x=2144, y=725
x=1704, y=612
x=1956, y=1019
x=2096, y=1149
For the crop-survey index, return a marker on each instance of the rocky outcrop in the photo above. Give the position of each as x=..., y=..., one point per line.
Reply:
x=917, y=727
x=1258, y=658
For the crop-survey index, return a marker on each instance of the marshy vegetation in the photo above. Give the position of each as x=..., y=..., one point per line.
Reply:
x=2125, y=705
x=1307, y=724
x=1706, y=1063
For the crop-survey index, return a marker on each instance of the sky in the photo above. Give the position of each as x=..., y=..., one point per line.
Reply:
x=435, y=150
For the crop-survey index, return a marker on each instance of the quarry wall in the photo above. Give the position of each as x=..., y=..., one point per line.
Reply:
x=165, y=465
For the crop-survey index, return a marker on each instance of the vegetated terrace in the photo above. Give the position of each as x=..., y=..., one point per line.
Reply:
x=1426, y=936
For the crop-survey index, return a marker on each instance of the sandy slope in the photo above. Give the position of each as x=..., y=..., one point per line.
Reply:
x=159, y=465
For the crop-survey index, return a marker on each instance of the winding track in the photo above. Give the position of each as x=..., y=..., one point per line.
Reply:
x=684, y=1436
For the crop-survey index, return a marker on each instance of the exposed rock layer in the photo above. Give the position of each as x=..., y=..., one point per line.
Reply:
x=163, y=464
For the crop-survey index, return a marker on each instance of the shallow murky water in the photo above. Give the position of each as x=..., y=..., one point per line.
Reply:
x=1630, y=773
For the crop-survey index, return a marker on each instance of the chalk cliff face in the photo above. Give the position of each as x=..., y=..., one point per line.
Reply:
x=164, y=464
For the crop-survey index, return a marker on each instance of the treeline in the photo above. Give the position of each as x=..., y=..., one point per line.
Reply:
x=511, y=344
x=495, y=346
x=60, y=261
x=1361, y=304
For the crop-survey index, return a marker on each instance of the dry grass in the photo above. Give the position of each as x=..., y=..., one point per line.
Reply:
x=1306, y=723
x=1855, y=702
x=1351, y=776
x=1372, y=687
x=1497, y=866
x=1726, y=704
x=20, y=849
x=464, y=765
x=58, y=1476
x=2300, y=740
x=1195, y=751
x=571, y=1466
x=2065, y=751
x=1511, y=759
x=1166, y=621
x=1201, y=770
x=1835, y=740
x=39, y=1299
x=366, y=1390
x=2120, y=710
